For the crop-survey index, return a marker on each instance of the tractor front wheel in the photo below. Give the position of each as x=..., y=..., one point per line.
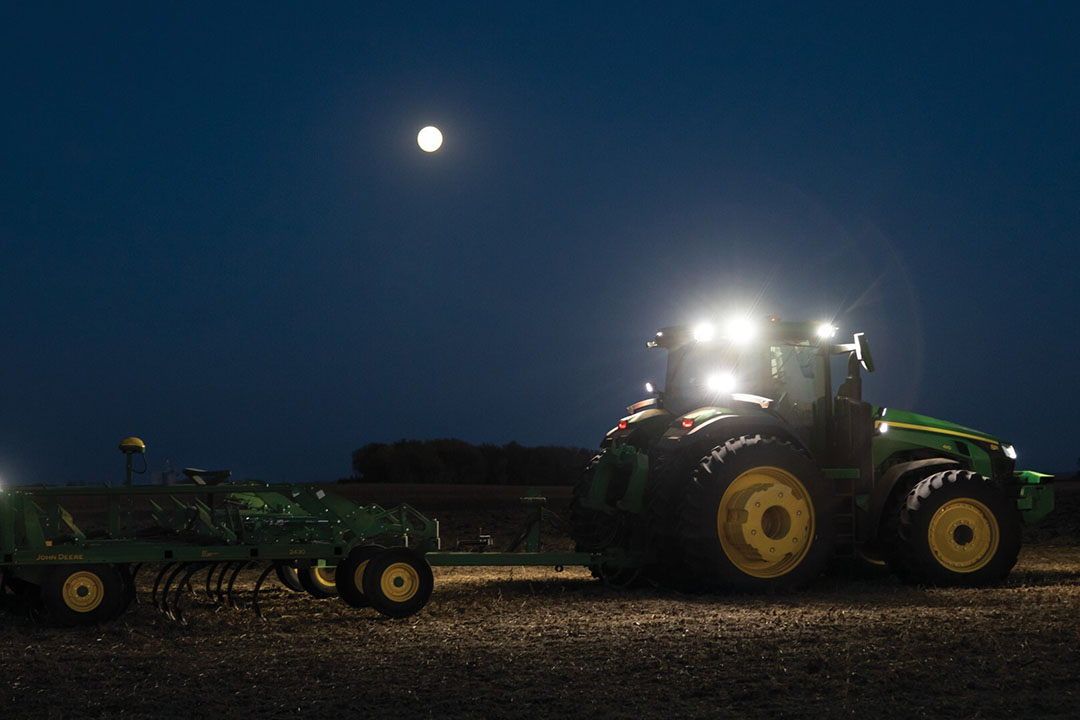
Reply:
x=957, y=528
x=757, y=516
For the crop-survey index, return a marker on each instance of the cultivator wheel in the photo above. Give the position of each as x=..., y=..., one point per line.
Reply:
x=349, y=577
x=957, y=528
x=289, y=576
x=398, y=582
x=318, y=581
x=757, y=515
x=83, y=594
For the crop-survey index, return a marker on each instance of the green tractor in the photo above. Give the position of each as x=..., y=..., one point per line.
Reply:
x=749, y=472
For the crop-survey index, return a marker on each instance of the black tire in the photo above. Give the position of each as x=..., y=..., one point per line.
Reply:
x=289, y=576
x=127, y=596
x=76, y=595
x=757, y=515
x=398, y=582
x=958, y=529
x=319, y=582
x=350, y=575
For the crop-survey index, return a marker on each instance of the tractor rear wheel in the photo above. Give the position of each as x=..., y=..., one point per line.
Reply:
x=757, y=516
x=398, y=582
x=957, y=528
x=318, y=581
x=83, y=594
x=350, y=575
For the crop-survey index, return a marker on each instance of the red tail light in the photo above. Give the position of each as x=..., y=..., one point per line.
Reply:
x=688, y=422
x=622, y=424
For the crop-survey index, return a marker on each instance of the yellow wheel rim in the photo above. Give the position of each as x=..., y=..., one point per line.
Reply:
x=358, y=576
x=83, y=591
x=399, y=582
x=963, y=535
x=765, y=522
x=324, y=576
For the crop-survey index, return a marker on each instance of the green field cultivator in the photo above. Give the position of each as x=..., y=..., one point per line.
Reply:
x=77, y=562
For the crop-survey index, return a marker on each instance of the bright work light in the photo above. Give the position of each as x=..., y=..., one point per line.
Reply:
x=704, y=332
x=740, y=330
x=826, y=331
x=720, y=382
x=1010, y=451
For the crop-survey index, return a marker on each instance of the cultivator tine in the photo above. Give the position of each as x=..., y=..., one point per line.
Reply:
x=176, y=612
x=219, y=597
x=258, y=586
x=133, y=571
x=157, y=582
x=163, y=605
x=210, y=575
x=232, y=580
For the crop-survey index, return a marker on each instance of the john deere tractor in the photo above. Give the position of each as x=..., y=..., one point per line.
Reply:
x=748, y=471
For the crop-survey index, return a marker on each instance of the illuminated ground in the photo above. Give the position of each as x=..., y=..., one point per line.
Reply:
x=533, y=643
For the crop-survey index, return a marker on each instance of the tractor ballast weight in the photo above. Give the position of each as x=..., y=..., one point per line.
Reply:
x=748, y=472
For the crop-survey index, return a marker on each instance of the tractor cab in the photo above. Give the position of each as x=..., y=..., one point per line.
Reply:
x=777, y=368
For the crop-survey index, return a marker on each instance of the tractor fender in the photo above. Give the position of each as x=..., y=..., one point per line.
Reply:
x=718, y=430
x=884, y=486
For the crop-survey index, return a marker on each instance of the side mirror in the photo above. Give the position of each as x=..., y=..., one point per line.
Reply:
x=862, y=351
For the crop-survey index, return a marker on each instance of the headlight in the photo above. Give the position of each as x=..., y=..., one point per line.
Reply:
x=1009, y=450
x=649, y=388
x=720, y=382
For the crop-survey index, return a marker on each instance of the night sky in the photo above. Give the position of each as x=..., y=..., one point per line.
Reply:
x=218, y=232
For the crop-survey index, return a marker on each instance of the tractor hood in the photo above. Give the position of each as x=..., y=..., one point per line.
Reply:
x=894, y=418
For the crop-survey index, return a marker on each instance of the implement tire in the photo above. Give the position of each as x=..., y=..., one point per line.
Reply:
x=289, y=576
x=350, y=575
x=958, y=528
x=319, y=582
x=398, y=582
x=757, y=515
x=76, y=595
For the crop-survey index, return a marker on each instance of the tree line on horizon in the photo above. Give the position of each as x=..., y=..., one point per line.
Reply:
x=455, y=462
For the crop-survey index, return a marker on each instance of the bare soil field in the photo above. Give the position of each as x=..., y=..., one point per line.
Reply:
x=513, y=643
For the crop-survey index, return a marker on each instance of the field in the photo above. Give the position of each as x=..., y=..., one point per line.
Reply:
x=535, y=643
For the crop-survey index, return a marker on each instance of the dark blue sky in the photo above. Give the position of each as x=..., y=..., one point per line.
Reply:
x=218, y=232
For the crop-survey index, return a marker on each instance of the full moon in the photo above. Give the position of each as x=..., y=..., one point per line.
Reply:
x=429, y=139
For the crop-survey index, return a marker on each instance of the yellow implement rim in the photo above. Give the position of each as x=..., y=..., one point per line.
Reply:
x=324, y=576
x=400, y=582
x=83, y=591
x=963, y=535
x=765, y=522
x=358, y=576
